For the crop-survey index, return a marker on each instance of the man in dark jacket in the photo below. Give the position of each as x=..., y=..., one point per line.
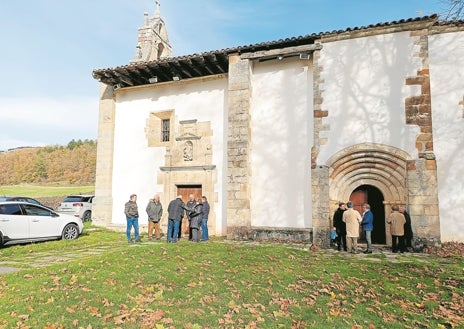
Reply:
x=195, y=221
x=191, y=203
x=340, y=226
x=407, y=229
x=132, y=218
x=154, y=211
x=204, y=220
x=175, y=214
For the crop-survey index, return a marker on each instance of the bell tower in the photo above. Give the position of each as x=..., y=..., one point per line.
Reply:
x=153, y=41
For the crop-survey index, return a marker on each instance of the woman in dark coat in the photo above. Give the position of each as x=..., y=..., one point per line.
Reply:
x=195, y=215
x=195, y=222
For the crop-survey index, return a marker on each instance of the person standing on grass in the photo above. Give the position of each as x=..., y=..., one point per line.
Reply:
x=407, y=229
x=132, y=217
x=195, y=220
x=368, y=225
x=175, y=214
x=191, y=203
x=340, y=226
x=397, y=221
x=352, y=219
x=204, y=220
x=154, y=211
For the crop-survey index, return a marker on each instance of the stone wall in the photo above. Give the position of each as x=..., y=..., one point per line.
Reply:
x=238, y=148
x=103, y=203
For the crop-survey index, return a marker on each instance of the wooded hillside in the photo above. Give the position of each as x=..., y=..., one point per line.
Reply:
x=71, y=164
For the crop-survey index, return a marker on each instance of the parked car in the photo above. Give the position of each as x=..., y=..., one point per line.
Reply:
x=23, y=198
x=77, y=205
x=22, y=222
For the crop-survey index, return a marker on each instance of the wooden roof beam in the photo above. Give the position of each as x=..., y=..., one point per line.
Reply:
x=288, y=51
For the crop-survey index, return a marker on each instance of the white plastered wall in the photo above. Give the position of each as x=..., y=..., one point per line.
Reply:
x=364, y=92
x=446, y=52
x=281, y=137
x=136, y=166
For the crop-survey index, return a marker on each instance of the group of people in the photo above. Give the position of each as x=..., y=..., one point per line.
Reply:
x=346, y=223
x=196, y=211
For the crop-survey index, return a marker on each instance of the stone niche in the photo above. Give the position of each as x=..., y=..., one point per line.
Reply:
x=191, y=146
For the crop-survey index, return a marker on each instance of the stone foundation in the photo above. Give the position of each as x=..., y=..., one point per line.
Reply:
x=270, y=233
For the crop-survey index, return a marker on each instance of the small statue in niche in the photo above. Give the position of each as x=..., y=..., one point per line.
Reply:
x=188, y=151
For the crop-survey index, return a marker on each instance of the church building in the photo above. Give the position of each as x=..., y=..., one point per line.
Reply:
x=275, y=134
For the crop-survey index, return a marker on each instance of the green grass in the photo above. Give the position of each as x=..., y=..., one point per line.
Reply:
x=35, y=191
x=99, y=281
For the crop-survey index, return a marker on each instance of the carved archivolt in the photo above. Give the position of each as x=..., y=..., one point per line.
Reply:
x=382, y=166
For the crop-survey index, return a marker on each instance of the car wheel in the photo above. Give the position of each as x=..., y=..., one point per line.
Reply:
x=70, y=232
x=87, y=216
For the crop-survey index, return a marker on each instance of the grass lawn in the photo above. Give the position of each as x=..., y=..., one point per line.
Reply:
x=100, y=281
x=35, y=191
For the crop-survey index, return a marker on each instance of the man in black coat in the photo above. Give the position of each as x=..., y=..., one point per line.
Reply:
x=407, y=229
x=191, y=203
x=175, y=214
x=340, y=226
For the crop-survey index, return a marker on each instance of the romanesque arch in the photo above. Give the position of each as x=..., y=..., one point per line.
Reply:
x=378, y=165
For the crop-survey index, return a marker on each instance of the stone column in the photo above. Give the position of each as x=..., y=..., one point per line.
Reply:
x=238, y=148
x=321, y=206
x=423, y=203
x=422, y=176
x=103, y=203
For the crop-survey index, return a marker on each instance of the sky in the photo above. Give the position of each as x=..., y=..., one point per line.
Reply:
x=49, y=48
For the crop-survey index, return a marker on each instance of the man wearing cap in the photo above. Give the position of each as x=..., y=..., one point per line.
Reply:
x=340, y=226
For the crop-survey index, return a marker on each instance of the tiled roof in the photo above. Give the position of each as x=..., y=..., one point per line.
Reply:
x=217, y=61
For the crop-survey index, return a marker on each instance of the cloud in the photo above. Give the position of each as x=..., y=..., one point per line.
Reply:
x=43, y=121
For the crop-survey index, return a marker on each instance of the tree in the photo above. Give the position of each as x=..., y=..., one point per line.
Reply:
x=454, y=10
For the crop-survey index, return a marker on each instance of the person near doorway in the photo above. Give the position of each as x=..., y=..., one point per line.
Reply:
x=191, y=203
x=340, y=226
x=132, y=218
x=175, y=214
x=397, y=221
x=195, y=221
x=368, y=225
x=352, y=219
x=204, y=220
x=407, y=229
x=154, y=211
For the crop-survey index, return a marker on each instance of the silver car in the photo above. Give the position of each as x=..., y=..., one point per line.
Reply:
x=77, y=205
x=25, y=222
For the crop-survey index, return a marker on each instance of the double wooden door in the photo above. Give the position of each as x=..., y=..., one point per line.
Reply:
x=185, y=191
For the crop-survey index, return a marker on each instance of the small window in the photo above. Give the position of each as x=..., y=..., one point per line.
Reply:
x=165, y=130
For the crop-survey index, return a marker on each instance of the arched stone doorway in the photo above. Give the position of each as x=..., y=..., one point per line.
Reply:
x=374, y=197
x=378, y=170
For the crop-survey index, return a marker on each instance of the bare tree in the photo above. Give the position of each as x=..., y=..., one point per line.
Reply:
x=454, y=10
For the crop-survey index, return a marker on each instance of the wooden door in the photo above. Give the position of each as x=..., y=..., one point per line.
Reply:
x=185, y=191
x=358, y=198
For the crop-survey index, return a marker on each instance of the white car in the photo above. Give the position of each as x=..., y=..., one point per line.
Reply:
x=77, y=205
x=25, y=222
